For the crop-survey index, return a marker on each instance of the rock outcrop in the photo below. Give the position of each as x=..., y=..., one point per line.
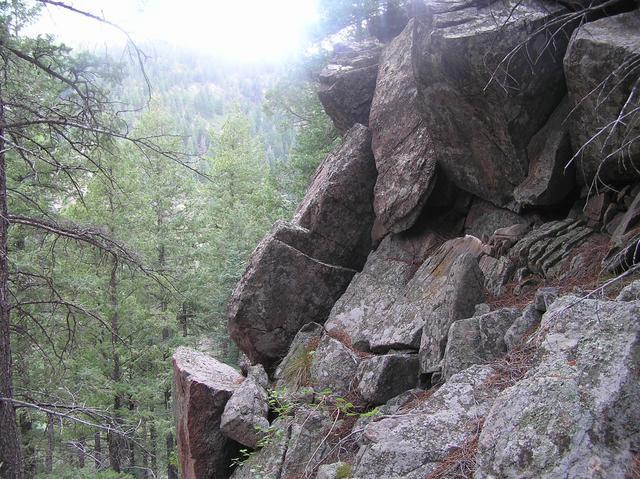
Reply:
x=202, y=388
x=401, y=143
x=441, y=303
x=577, y=408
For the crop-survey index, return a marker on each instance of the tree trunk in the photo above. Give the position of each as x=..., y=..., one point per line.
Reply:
x=10, y=455
x=26, y=428
x=115, y=441
x=172, y=471
x=153, y=437
x=81, y=451
x=48, y=461
x=97, y=446
x=145, y=451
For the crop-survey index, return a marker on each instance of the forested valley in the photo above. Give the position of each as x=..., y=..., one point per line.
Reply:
x=133, y=187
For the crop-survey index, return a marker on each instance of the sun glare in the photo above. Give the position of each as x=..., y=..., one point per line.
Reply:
x=241, y=30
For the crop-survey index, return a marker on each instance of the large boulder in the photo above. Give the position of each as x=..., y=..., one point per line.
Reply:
x=551, y=176
x=401, y=144
x=477, y=340
x=411, y=445
x=576, y=413
x=202, y=388
x=481, y=95
x=484, y=219
x=348, y=82
x=602, y=78
x=245, y=415
x=337, y=206
x=299, y=270
x=282, y=290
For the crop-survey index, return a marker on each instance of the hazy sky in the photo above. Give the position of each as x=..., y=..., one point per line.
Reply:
x=245, y=30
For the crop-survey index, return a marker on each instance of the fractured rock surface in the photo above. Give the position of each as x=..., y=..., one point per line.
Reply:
x=577, y=409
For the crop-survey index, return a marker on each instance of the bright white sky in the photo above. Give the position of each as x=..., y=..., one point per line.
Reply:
x=242, y=30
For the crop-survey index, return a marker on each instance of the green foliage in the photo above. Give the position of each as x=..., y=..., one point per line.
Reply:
x=343, y=471
x=279, y=402
x=65, y=472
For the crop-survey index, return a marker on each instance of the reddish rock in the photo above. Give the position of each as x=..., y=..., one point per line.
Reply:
x=347, y=83
x=401, y=144
x=202, y=388
x=337, y=206
x=282, y=290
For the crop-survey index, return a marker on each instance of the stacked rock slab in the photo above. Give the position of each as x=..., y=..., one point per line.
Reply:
x=481, y=112
x=202, y=388
x=401, y=144
x=298, y=271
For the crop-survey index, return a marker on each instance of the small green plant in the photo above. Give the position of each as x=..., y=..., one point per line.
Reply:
x=269, y=434
x=279, y=403
x=343, y=471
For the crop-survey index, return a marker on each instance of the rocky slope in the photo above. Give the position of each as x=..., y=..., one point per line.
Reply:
x=457, y=294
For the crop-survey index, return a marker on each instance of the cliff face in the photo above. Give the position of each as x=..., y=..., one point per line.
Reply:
x=443, y=302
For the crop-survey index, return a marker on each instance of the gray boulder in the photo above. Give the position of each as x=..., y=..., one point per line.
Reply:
x=374, y=312
x=348, y=82
x=401, y=144
x=380, y=378
x=481, y=111
x=630, y=292
x=410, y=446
x=551, y=177
x=523, y=324
x=299, y=270
x=575, y=414
x=624, y=251
x=334, y=366
x=448, y=297
x=601, y=72
x=477, y=340
x=202, y=388
x=245, y=415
